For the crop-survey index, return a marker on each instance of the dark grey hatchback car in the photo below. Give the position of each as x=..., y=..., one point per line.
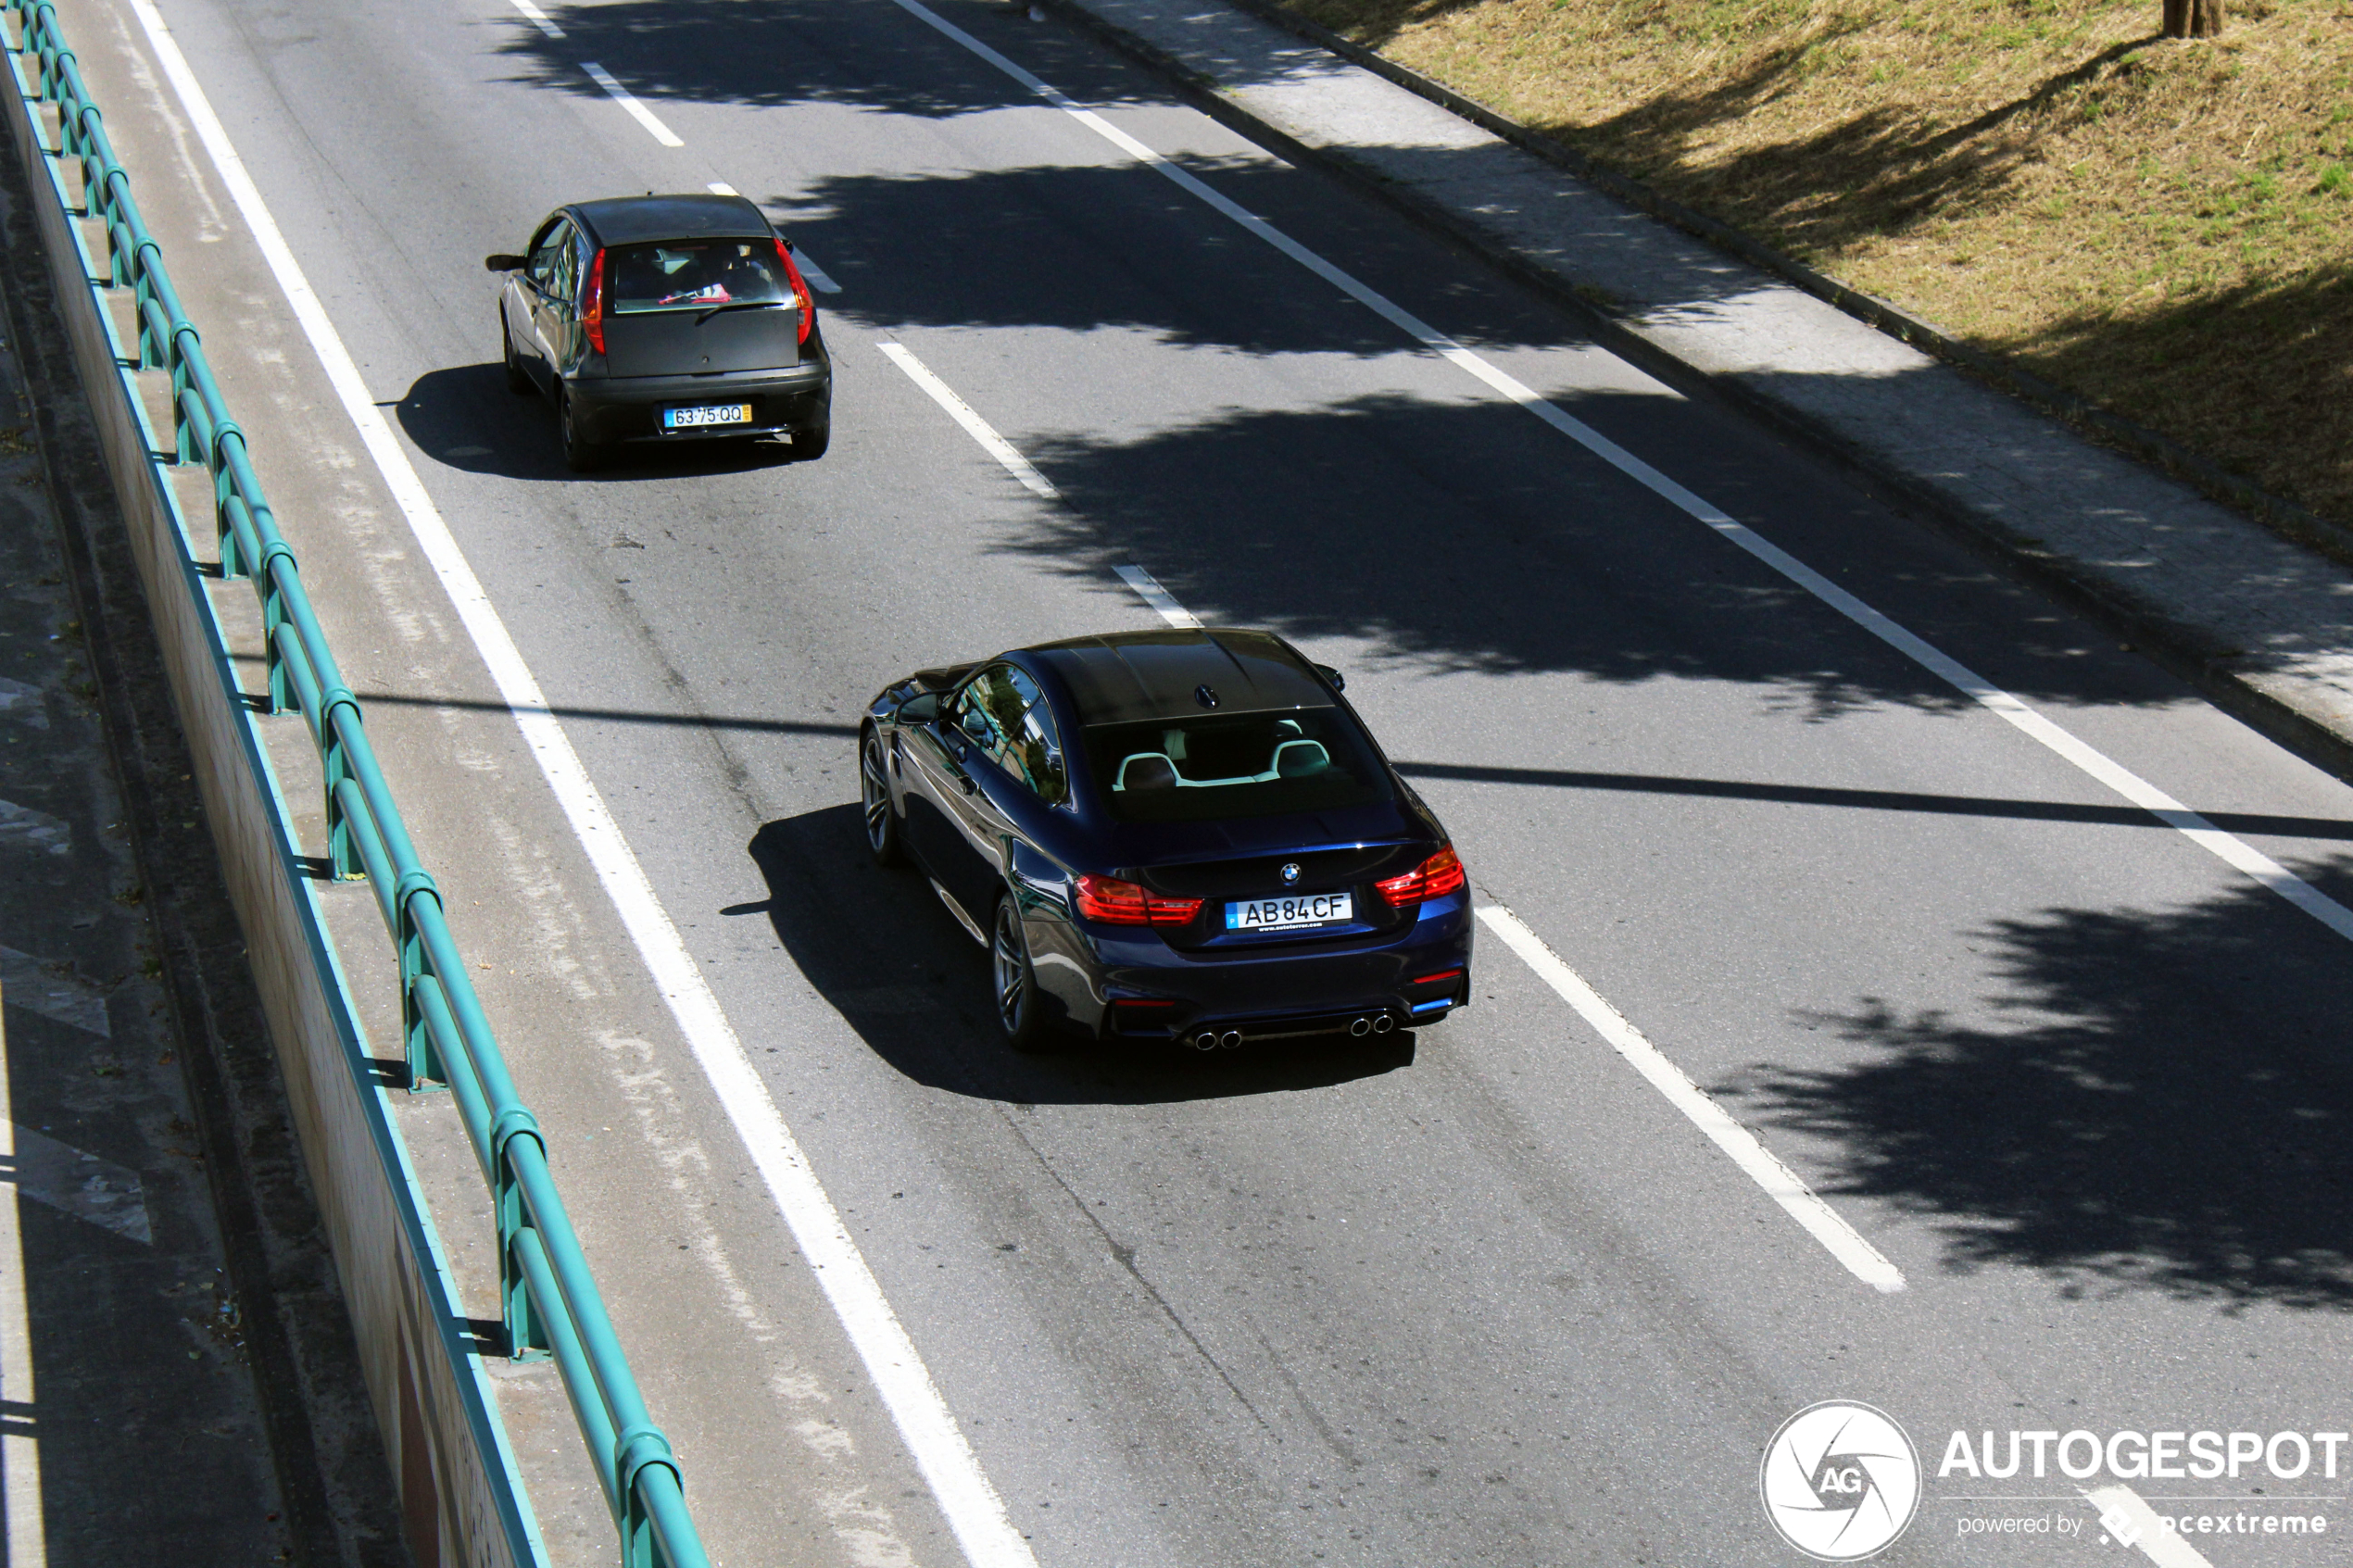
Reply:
x=660, y=319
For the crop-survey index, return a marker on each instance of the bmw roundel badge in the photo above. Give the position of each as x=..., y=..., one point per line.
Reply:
x=1291, y=873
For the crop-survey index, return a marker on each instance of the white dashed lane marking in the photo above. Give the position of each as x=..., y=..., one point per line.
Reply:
x=975, y=426
x=1148, y=587
x=628, y=101
x=538, y=18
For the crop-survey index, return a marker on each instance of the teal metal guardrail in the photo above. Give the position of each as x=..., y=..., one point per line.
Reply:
x=550, y=1304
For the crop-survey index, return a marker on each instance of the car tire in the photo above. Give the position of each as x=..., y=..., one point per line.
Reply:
x=810, y=442
x=581, y=455
x=1012, y=988
x=519, y=380
x=874, y=796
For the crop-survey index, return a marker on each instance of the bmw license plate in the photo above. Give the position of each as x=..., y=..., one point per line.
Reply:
x=706, y=414
x=1290, y=913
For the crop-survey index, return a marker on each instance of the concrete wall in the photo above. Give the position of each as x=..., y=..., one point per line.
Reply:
x=461, y=1501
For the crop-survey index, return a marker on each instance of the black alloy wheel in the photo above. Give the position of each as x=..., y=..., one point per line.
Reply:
x=1016, y=984
x=518, y=379
x=873, y=794
x=581, y=455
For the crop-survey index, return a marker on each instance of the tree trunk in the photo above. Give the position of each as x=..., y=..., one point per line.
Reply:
x=2193, y=18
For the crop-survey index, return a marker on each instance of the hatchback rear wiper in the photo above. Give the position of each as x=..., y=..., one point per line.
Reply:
x=703, y=316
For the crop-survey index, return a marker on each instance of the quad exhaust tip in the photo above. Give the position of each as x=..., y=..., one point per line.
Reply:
x=1361, y=1025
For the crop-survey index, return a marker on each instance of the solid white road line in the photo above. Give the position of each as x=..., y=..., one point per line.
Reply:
x=638, y=111
x=2223, y=846
x=1148, y=588
x=2122, y=1508
x=538, y=18
x=1780, y=1184
x=27, y=1536
x=809, y=268
x=961, y=412
x=974, y=1510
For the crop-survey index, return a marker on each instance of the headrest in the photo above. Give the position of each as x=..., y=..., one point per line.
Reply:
x=1295, y=758
x=1148, y=769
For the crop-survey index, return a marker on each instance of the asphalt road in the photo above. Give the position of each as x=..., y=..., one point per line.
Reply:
x=1481, y=1296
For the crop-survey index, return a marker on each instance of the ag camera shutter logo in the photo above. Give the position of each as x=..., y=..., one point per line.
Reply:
x=1840, y=1481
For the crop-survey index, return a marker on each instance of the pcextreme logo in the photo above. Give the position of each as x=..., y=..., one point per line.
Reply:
x=1840, y=1481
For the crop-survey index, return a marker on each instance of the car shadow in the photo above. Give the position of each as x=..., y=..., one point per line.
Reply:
x=879, y=946
x=465, y=417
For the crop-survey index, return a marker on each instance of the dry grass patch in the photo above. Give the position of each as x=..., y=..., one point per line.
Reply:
x=2165, y=228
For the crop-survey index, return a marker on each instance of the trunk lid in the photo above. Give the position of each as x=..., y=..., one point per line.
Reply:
x=704, y=342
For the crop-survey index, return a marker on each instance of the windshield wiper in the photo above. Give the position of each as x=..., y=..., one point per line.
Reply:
x=738, y=304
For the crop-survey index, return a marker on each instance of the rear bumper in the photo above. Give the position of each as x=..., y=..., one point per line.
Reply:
x=628, y=407
x=1267, y=993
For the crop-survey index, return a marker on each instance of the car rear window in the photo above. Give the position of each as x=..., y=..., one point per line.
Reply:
x=1237, y=765
x=695, y=275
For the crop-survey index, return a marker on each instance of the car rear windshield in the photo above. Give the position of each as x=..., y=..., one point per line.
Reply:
x=695, y=275
x=1234, y=765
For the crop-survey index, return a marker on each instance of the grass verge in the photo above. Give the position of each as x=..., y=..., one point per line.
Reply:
x=2164, y=228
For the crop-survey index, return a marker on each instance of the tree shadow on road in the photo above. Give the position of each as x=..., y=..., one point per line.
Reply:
x=1087, y=247
x=2148, y=1107
x=1461, y=535
x=763, y=53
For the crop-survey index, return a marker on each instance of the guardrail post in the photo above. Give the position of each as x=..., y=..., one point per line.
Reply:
x=188, y=445
x=634, y=1449
x=527, y=1338
x=343, y=855
x=277, y=691
x=425, y=1071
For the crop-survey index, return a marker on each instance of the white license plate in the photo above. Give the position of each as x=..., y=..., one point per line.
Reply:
x=1284, y=914
x=707, y=414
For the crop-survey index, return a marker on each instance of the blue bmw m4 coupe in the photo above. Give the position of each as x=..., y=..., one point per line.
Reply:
x=1169, y=835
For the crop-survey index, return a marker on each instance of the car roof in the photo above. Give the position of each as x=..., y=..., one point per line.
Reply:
x=620, y=220
x=1130, y=676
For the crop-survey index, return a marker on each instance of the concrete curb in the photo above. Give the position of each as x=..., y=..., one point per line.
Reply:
x=2197, y=655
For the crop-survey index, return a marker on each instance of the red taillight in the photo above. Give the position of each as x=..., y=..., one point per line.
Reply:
x=592, y=303
x=800, y=290
x=1114, y=902
x=1434, y=979
x=1434, y=878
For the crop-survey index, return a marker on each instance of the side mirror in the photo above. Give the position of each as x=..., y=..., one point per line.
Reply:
x=502, y=262
x=921, y=709
x=1338, y=681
